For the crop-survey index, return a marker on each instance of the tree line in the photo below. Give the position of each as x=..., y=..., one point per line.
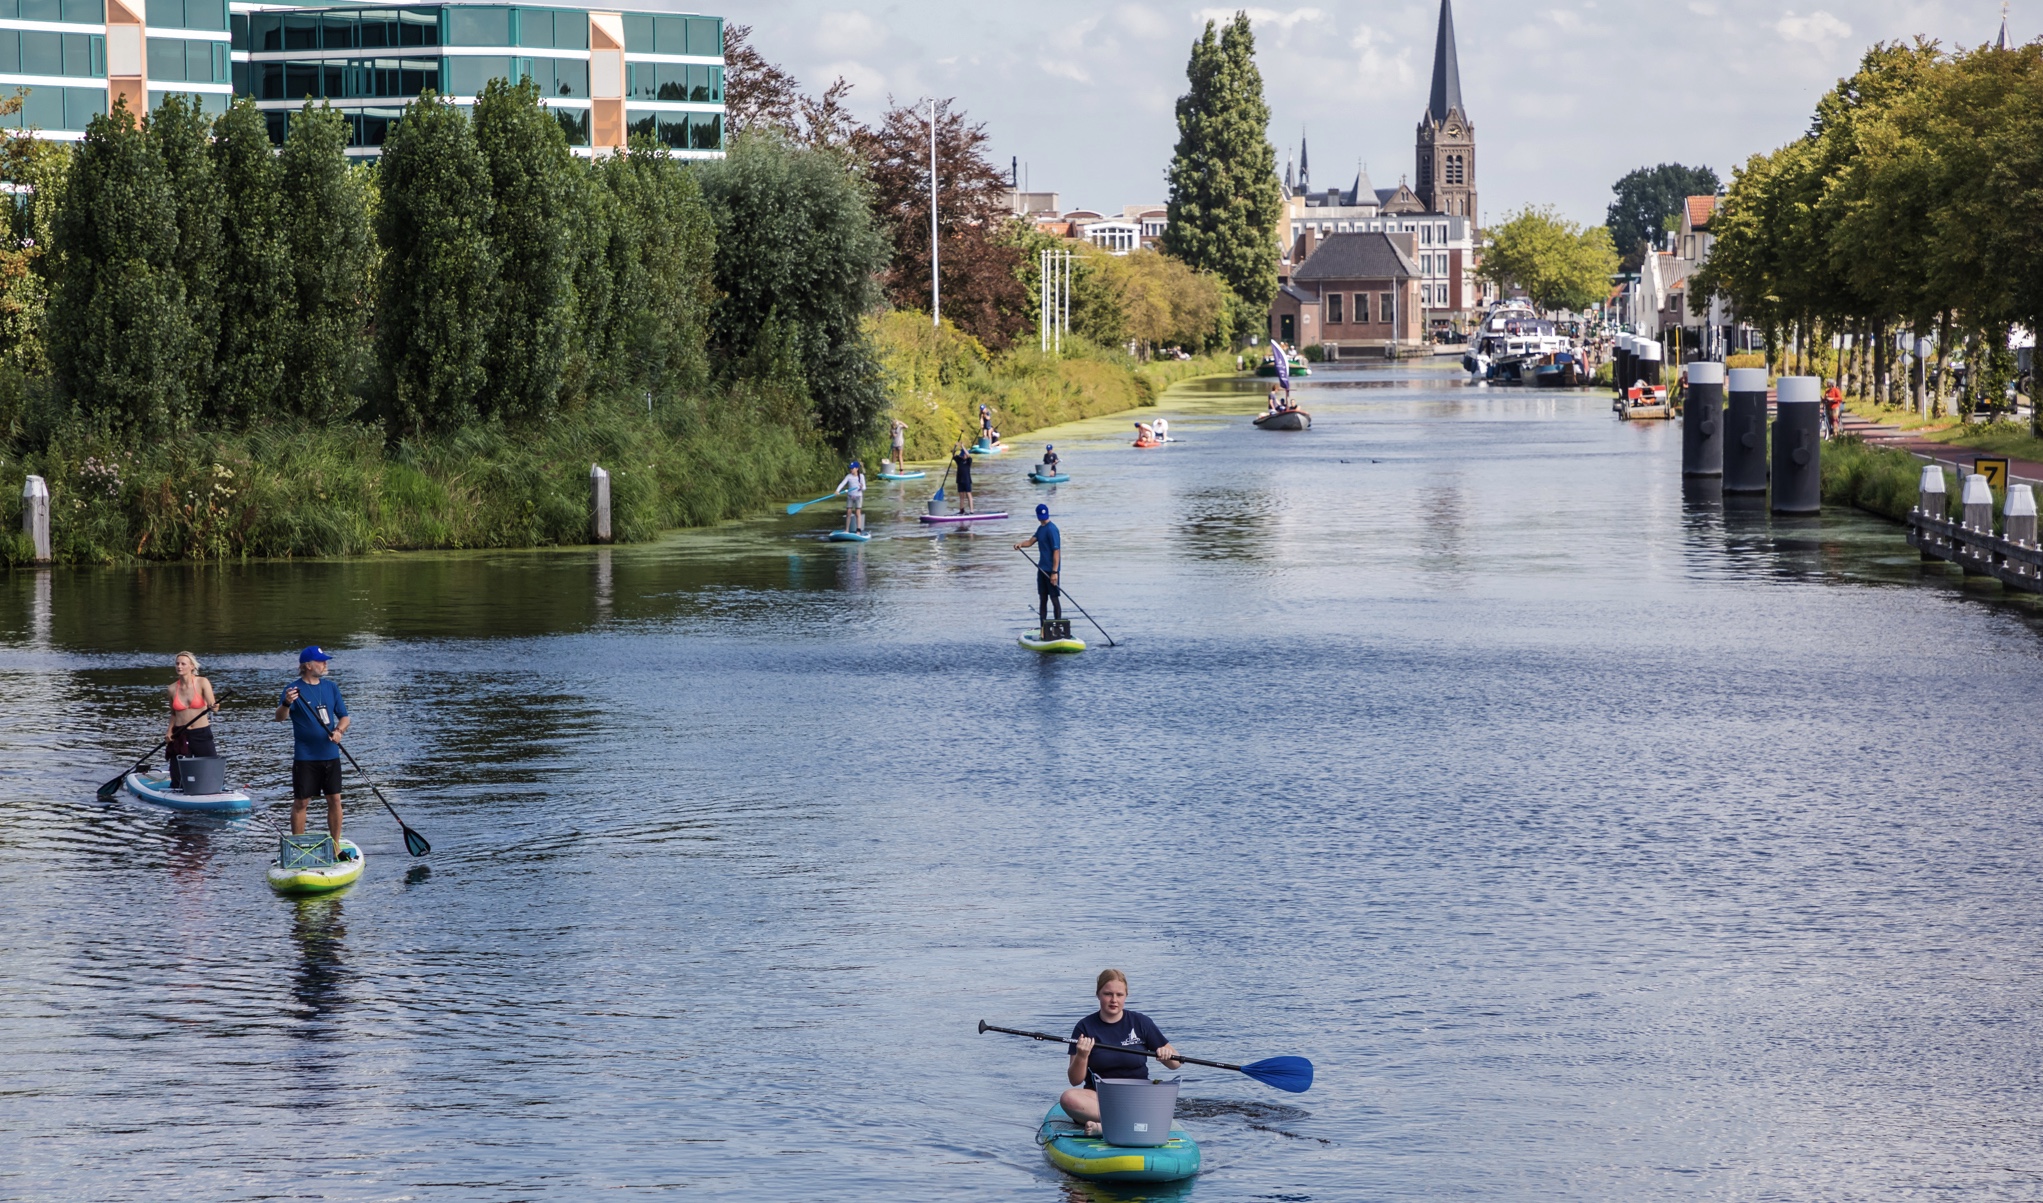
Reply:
x=1905, y=217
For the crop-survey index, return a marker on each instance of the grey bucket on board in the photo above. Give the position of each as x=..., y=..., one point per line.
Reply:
x=1745, y=432
x=201, y=775
x=1702, y=421
x=1135, y=1111
x=1798, y=446
x=935, y=506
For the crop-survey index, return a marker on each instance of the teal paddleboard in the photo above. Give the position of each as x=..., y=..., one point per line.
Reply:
x=846, y=536
x=1069, y=1149
x=902, y=475
x=1040, y=479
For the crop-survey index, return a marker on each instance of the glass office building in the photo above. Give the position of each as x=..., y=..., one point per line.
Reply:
x=605, y=75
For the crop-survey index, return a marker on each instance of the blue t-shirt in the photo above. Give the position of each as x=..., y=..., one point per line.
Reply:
x=1048, y=541
x=312, y=742
x=1134, y=1031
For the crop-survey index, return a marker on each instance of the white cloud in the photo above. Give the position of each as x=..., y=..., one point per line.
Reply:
x=1376, y=64
x=1259, y=17
x=867, y=83
x=1702, y=8
x=1065, y=69
x=1142, y=22
x=851, y=33
x=1818, y=28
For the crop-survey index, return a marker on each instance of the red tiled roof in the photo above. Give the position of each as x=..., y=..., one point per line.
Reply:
x=1699, y=210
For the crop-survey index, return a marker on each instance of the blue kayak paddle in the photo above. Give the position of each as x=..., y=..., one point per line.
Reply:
x=1285, y=1073
x=800, y=506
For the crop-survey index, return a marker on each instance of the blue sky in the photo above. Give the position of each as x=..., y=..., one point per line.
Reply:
x=1565, y=96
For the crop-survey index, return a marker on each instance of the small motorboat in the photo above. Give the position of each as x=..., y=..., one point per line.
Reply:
x=1645, y=403
x=1285, y=419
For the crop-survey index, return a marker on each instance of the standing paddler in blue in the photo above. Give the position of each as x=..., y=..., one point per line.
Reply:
x=1049, y=544
x=1096, y=1044
x=319, y=718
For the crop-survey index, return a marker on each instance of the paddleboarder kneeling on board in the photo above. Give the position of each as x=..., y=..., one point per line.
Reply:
x=1049, y=544
x=963, y=460
x=319, y=718
x=853, y=488
x=1095, y=1047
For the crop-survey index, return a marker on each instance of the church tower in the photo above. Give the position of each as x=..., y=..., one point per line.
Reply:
x=1447, y=161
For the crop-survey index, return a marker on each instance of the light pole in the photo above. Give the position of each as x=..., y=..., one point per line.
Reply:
x=935, y=293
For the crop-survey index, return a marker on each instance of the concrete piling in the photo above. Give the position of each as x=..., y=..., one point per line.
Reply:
x=1931, y=502
x=1978, y=503
x=1621, y=364
x=35, y=516
x=2018, y=514
x=1797, y=446
x=1745, y=432
x=1649, y=360
x=1702, y=419
x=599, y=504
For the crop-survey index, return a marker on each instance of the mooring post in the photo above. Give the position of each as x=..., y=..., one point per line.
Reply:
x=599, y=504
x=1931, y=502
x=1978, y=502
x=1745, y=432
x=1702, y=444
x=2019, y=515
x=1649, y=360
x=1797, y=447
x=1621, y=364
x=35, y=516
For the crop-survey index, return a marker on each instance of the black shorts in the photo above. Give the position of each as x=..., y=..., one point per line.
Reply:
x=315, y=778
x=1044, y=588
x=193, y=741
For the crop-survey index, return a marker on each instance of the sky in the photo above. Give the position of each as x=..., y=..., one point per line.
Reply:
x=1565, y=96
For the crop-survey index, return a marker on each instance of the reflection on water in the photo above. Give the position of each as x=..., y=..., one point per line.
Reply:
x=1596, y=835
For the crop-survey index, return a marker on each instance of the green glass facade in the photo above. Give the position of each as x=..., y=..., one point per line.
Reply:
x=368, y=60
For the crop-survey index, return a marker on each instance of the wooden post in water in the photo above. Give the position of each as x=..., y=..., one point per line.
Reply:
x=599, y=504
x=2019, y=513
x=1978, y=500
x=35, y=516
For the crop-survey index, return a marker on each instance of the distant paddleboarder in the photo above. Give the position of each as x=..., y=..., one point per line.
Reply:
x=963, y=460
x=1049, y=544
x=986, y=435
x=1050, y=460
x=900, y=446
x=191, y=729
x=1096, y=1048
x=319, y=718
x=853, y=488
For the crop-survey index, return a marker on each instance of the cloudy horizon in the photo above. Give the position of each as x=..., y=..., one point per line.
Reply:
x=1565, y=97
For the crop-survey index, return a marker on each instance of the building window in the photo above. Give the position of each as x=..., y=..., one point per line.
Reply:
x=1426, y=239
x=187, y=14
x=1384, y=310
x=1334, y=309
x=1361, y=308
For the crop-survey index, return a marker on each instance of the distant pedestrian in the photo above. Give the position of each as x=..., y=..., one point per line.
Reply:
x=1833, y=408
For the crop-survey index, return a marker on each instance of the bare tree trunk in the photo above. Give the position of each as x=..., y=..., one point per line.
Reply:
x=1936, y=405
x=1883, y=364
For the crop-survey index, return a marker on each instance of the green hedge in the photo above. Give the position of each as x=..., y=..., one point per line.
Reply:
x=1879, y=480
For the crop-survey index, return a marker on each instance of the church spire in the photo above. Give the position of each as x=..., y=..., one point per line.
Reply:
x=1304, y=165
x=2002, y=43
x=1446, y=68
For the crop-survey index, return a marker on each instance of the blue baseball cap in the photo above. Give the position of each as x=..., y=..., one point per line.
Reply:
x=315, y=652
x=1042, y=515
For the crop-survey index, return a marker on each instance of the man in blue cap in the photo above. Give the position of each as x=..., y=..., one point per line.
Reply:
x=318, y=720
x=1049, y=545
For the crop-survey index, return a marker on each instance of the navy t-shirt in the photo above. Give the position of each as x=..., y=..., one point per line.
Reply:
x=1134, y=1031
x=1048, y=541
x=964, y=463
x=312, y=742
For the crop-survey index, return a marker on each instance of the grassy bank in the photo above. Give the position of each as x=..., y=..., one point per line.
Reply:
x=1879, y=480
x=939, y=377
x=300, y=490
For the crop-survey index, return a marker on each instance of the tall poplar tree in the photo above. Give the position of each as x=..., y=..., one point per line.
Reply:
x=255, y=273
x=333, y=258
x=533, y=189
x=438, y=288
x=183, y=139
x=121, y=339
x=1224, y=197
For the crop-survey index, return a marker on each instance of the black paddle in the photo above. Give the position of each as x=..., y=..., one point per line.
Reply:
x=414, y=843
x=1285, y=1073
x=113, y=787
x=1067, y=596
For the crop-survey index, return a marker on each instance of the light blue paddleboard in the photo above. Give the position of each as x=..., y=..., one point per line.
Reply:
x=1089, y=1157
x=846, y=536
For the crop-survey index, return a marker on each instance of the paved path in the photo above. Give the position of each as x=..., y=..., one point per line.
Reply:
x=1959, y=459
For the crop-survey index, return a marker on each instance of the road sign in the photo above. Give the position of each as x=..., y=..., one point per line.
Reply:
x=1994, y=470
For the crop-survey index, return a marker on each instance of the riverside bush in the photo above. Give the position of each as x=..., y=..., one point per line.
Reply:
x=939, y=376
x=291, y=489
x=1879, y=480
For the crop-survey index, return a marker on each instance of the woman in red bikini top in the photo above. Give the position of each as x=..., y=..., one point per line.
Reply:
x=191, y=728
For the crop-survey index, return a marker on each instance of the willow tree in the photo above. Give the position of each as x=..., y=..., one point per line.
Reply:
x=1225, y=200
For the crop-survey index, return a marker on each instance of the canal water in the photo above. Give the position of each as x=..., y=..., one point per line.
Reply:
x=1594, y=839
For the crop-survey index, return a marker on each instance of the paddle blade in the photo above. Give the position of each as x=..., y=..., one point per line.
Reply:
x=1285, y=1073
x=415, y=844
x=938, y=495
x=112, y=787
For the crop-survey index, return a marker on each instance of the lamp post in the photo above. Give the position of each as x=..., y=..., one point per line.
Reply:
x=935, y=293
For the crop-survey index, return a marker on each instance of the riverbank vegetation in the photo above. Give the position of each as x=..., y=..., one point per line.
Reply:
x=212, y=348
x=1907, y=213
x=1879, y=480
